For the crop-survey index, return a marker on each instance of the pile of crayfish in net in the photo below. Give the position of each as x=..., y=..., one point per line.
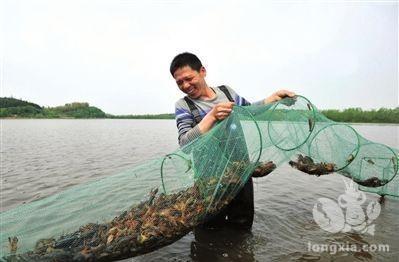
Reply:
x=158, y=221
x=307, y=165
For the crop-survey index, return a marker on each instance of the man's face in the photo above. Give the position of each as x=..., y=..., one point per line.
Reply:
x=190, y=81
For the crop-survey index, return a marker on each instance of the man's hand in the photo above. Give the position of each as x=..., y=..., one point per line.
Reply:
x=218, y=112
x=279, y=95
x=221, y=110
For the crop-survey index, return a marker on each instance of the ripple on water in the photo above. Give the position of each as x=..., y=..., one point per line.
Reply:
x=42, y=157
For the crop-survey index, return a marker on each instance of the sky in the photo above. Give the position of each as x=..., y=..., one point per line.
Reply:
x=116, y=54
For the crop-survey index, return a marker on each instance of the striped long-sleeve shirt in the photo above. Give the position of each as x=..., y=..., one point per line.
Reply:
x=188, y=130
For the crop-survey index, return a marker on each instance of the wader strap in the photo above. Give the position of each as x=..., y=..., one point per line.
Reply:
x=227, y=93
x=194, y=110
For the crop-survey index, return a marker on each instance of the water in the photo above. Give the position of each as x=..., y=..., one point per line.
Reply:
x=43, y=157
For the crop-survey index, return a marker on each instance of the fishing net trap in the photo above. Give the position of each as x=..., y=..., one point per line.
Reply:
x=158, y=202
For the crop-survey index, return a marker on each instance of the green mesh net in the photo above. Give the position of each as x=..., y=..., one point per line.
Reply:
x=158, y=202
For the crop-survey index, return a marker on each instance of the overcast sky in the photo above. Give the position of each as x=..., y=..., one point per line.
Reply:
x=116, y=54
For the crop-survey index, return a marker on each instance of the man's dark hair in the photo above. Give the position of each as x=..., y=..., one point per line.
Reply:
x=185, y=59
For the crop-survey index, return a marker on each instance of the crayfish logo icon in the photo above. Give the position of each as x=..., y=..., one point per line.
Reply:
x=347, y=214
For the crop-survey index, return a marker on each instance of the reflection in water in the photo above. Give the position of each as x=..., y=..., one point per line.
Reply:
x=222, y=244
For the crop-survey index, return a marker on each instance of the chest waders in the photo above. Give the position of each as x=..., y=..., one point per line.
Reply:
x=240, y=212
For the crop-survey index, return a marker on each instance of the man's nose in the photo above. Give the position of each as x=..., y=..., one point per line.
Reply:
x=186, y=85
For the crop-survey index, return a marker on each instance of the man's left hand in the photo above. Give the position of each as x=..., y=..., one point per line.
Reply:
x=279, y=95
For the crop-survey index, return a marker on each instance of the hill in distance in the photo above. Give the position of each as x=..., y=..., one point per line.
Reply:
x=16, y=108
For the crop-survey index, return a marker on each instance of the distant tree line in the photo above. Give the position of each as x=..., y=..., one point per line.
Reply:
x=16, y=108
x=7, y=102
x=357, y=115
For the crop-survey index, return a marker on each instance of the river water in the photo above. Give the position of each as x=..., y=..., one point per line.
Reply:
x=43, y=157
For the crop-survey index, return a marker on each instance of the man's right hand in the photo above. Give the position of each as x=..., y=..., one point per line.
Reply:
x=221, y=110
x=217, y=113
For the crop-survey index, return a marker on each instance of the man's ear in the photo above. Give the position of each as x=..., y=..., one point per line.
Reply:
x=203, y=71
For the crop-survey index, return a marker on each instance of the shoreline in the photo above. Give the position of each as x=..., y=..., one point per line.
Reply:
x=71, y=118
x=108, y=118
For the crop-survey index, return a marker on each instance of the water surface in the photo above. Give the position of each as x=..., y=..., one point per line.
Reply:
x=43, y=157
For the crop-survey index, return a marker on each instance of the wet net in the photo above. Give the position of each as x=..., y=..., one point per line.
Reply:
x=158, y=202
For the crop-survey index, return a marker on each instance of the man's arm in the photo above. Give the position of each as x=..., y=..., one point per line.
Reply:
x=276, y=96
x=185, y=121
x=218, y=112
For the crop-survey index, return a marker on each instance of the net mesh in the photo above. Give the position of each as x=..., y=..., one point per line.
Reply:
x=159, y=201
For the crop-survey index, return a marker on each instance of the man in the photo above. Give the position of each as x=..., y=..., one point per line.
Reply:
x=196, y=114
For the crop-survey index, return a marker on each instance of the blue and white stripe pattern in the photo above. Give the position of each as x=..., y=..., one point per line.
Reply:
x=187, y=128
x=241, y=101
